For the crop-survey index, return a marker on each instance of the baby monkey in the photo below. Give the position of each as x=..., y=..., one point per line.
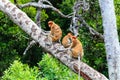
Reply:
x=66, y=41
x=55, y=31
x=75, y=46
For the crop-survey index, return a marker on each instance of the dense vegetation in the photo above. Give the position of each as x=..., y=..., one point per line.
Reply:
x=36, y=64
x=48, y=69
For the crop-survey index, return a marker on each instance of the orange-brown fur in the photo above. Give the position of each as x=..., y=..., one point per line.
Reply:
x=66, y=40
x=76, y=48
x=55, y=31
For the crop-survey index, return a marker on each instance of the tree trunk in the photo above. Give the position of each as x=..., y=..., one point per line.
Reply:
x=56, y=49
x=111, y=38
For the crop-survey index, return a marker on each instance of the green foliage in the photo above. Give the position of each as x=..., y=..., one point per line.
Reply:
x=21, y=1
x=11, y=42
x=19, y=71
x=94, y=51
x=50, y=69
x=66, y=6
x=44, y=16
x=31, y=12
x=117, y=11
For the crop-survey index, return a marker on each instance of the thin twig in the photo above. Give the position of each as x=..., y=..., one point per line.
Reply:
x=29, y=46
x=92, y=31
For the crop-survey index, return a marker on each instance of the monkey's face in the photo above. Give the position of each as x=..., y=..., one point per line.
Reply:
x=50, y=23
x=74, y=39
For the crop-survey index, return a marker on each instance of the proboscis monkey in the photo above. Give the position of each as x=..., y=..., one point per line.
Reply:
x=76, y=48
x=55, y=31
x=76, y=51
x=66, y=41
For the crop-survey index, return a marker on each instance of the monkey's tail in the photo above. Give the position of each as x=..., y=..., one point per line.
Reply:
x=79, y=67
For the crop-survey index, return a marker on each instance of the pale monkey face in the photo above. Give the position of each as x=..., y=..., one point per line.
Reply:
x=50, y=23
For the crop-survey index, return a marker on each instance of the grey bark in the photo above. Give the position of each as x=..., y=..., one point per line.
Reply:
x=111, y=38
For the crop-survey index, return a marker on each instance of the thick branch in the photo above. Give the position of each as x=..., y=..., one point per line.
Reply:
x=37, y=19
x=56, y=49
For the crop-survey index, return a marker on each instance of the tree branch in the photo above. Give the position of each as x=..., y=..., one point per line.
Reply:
x=37, y=19
x=74, y=27
x=24, y=22
x=29, y=46
x=92, y=31
x=74, y=23
x=44, y=6
x=48, y=2
x=74, y=20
